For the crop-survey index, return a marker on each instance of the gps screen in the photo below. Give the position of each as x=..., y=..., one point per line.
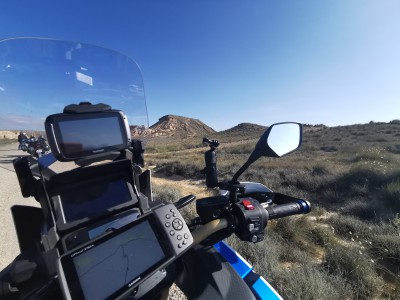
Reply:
x=118, y=262
x=93, y=199
x=89, y=134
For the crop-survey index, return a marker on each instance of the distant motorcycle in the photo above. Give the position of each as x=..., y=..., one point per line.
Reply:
x=35, y=147
x=23, y=145
x=22, y=139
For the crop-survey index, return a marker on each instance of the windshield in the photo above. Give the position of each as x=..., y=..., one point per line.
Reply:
x=39, y=77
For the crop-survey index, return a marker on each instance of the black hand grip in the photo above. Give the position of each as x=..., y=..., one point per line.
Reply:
x=284, y=210
x=184, y=201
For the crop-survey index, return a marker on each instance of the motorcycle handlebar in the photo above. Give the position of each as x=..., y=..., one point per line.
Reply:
x=274, y=212
x=288, y=209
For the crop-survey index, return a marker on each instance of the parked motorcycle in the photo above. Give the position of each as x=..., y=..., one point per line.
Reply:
x=22, y=140
x=24, y=145
x=36, y=147
x=98, y=233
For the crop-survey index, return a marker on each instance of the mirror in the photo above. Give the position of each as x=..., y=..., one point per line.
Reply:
x=283, y=138
x=279, y=139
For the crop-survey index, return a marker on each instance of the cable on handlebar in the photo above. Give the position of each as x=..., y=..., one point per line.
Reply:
x=205, y=231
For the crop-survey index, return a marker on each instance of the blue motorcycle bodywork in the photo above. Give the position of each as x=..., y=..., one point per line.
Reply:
x=260, y=287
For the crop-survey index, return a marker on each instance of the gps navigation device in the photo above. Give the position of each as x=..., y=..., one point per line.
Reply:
x=76, y=136
x=113, y=265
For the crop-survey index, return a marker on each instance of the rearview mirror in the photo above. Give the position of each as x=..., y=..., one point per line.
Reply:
x=279, y=139
x=284, y=138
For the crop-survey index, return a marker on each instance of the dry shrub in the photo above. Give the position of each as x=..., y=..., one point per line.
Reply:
x=356, y=268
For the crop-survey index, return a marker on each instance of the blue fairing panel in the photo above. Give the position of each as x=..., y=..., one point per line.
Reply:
x=265, y=291
x=242, y=267
x=260, y=287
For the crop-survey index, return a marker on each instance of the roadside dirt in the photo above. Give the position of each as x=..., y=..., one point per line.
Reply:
x=185, y=186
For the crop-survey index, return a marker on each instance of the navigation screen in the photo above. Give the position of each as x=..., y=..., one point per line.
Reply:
x=118, y=262
x=93, y=199
x=90, y=134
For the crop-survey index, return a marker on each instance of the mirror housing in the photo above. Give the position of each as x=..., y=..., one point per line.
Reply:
x=278, y=140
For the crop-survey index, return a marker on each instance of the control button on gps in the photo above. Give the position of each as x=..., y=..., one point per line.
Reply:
x=179, y=245
x=168, y=224
x=177, y=224
x=168, y=216
x=179, y=237
x=184, y=242
x=186, y=236
x=172, y=232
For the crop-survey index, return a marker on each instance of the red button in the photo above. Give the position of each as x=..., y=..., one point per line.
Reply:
x=247, y=204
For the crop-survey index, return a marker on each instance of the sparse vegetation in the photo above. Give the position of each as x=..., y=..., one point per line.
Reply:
x=349, y=246
x=162, y=193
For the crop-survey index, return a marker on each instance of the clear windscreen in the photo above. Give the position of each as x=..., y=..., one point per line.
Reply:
x=39, y=77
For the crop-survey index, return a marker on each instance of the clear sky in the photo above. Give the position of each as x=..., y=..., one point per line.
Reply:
x=226, y=61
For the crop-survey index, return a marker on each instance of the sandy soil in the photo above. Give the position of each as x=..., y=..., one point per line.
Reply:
x=187, y=187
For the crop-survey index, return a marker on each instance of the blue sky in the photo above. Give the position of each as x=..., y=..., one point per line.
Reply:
x=226, y=62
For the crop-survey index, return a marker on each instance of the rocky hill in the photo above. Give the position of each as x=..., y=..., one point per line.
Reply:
x=174, y=126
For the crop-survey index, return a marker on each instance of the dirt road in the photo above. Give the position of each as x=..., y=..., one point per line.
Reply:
x=10, y=195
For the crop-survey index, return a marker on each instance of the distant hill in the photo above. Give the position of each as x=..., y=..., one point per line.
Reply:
x=244, y=129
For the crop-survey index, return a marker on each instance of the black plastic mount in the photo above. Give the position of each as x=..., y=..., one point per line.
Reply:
x=210, y=158
x=212, y=143
x=85, y=107
x=137, y=150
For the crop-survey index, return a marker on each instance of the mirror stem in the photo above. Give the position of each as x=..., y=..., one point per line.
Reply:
x=243, y=168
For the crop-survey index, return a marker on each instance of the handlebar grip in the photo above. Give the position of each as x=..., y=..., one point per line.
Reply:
x=293, y=208
x=184, y=201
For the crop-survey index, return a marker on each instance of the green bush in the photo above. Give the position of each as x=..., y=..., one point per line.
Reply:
x=362, y=209
x=348, y=226
x=322, y=236
x=357, y=268
x=290, y=271
x=362, y=176
x=318, y=170
x=309, y=282
x=184, y=170
x=391, y=194
x=329, y=148
x=385, y=246
x=165, y=193
x=394, y=148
